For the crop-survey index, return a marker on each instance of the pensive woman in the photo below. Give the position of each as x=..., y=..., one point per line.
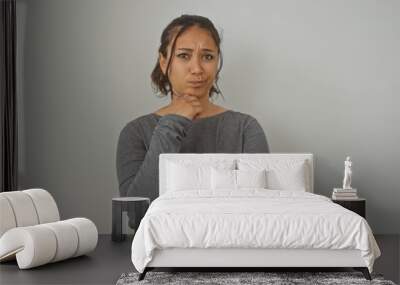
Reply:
x=188, y=65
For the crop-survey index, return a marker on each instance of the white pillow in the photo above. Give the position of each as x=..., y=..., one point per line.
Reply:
x=223, y=179
x=287, y=179
x=185, y=174
x=251, y=178
x=281, y=174
x=188, y=177
x=236, y=179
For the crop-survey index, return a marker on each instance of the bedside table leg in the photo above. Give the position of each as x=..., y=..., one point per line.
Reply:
x=117, y=222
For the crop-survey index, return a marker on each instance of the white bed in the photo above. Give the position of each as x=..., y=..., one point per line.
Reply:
x=251, y=226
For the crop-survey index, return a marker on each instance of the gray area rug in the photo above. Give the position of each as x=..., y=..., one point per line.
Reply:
x=225, y=278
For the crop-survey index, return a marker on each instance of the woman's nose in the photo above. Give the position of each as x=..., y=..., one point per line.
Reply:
x=195, y=65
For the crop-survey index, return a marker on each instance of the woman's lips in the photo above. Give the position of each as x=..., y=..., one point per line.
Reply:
x=196, y=83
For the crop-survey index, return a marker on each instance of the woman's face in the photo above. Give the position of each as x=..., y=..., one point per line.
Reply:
x=194, y=64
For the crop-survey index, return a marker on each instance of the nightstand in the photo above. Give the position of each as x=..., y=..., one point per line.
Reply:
x=356, y=205
x=120, y=205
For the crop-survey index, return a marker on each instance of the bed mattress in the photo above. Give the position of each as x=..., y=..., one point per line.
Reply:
x=250, y=219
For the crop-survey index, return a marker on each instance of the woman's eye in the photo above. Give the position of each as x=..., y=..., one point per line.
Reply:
x=183, y=55
x=186, y=56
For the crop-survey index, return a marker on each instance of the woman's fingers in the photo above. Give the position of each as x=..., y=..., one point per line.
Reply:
x=184, y=95
x=190, y=98
x=195, y=103
x=176, y=93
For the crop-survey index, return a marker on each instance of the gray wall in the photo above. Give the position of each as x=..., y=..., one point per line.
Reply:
x=320, y=77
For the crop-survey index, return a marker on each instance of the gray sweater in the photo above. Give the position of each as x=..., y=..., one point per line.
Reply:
x=143, y=139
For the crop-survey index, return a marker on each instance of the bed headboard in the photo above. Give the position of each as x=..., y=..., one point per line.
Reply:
x=165, y=157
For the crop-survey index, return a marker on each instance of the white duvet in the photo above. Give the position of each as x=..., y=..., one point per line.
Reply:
x=250, y=218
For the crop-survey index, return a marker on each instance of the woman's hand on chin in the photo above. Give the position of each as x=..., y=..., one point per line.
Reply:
x=184, y=104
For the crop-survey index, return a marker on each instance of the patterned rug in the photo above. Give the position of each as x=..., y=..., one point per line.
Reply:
x=270, y=278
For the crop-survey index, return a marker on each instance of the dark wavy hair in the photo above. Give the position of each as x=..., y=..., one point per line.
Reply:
x=160, y=81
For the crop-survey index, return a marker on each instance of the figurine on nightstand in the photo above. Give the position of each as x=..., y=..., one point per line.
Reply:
x=347, y=173
x=347, y=192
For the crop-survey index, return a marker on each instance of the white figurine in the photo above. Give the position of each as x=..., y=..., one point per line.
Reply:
x=347, y=173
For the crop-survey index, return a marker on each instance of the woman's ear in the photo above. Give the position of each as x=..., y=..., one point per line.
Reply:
x=163, y=63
